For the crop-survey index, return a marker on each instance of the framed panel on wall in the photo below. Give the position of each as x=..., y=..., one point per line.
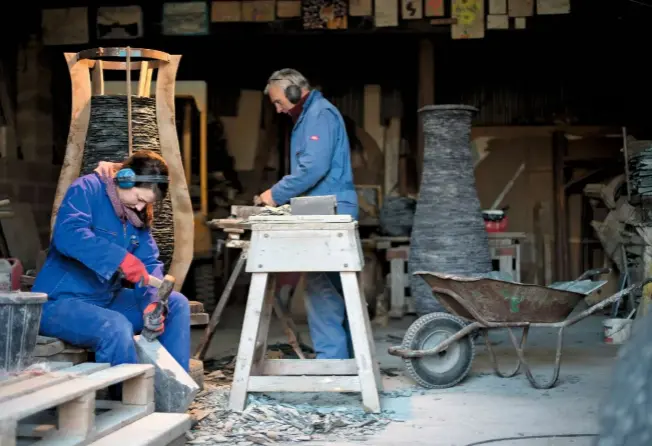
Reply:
x=185, y=19
x=119, y=22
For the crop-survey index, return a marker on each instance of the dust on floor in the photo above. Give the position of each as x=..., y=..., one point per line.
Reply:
x=483, y=407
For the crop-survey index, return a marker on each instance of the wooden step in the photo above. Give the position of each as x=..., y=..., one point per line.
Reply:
x=199, y=319
x=157, y=429
x=74, y=397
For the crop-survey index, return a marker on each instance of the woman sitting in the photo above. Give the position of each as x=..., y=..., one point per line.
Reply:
x=102, y=239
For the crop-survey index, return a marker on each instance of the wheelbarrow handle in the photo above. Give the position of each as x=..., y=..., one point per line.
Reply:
x=646, y=282
x=594, y=273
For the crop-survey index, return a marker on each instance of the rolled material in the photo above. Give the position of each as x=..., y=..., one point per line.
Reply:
x=448, y=234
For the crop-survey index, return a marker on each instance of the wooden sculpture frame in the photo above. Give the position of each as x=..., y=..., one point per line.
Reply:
x=87, y=78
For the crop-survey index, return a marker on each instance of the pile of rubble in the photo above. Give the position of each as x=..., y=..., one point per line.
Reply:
x=268, y=421
x=626, y=231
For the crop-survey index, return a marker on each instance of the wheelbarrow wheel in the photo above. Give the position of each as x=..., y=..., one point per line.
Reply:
x=447, y=368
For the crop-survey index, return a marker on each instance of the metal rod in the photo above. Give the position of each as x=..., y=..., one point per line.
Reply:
x=508, y=187
x=129, y=135
x=629, y=188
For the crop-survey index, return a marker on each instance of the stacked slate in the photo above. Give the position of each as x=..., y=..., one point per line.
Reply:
x=640, y=169
x=448, y=235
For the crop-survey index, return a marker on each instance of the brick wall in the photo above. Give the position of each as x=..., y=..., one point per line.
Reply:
x=34, y=183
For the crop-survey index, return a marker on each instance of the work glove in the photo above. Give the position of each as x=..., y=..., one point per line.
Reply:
x=134, y=270
x=154, y=319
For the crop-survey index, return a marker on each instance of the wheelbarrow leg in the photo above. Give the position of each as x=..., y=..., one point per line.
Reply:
x=521, y=356
x=492, y=354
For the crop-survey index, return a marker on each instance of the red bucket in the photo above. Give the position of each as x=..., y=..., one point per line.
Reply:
x=495, y=220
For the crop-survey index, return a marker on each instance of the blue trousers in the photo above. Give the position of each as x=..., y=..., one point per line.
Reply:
x=329, y=328
x=109, y=331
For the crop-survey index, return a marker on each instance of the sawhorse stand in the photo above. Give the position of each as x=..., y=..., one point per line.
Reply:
x=304, y=244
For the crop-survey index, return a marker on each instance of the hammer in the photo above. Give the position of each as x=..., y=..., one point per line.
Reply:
x=164, y=287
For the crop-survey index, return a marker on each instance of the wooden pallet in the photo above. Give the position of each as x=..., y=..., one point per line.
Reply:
x=26, y=404
x=157, y=429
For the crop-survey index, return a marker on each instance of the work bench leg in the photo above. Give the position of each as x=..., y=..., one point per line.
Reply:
x=260, y=351
x=363, y=343
x=247, y=346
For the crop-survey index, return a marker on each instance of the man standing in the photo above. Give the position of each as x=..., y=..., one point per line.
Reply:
x=320, y=165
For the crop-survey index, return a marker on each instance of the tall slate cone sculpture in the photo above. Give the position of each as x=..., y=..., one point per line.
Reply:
x=448, y=235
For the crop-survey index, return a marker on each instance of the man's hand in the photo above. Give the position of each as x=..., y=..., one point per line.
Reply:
x=266, y=198
x=107, y=168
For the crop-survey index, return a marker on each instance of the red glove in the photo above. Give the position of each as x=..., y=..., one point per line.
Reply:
x=134, y=270
x=152, y=322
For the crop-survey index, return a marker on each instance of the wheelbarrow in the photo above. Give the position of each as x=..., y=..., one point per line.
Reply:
x=438, y=348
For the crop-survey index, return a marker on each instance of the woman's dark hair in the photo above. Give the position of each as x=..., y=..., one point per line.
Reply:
x=146, y=162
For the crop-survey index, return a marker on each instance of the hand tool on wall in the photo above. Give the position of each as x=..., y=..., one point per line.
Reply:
x=155, y=318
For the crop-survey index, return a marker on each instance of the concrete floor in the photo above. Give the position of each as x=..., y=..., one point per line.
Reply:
x=484, y=407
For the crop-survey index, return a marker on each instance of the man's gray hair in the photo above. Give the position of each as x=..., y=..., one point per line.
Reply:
x=286, y=77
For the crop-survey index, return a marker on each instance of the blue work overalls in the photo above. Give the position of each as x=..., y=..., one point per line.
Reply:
x=87, y=305
x=321, y=165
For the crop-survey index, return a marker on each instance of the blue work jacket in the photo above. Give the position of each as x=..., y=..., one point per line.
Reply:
x=320, y=158
x=88, y=245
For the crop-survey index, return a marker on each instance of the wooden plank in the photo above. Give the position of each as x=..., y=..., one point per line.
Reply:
x=77, y=417
x=304, y=384
x=297, y=250
x=363, y=343
x=247, y=345
x=426, y=94
x=153, y=430
x=8, y=431
x=47, y=398
x=34, y=384
x=166, y=90
x=322, y=227
x=372, y=112
x=97, y=78
x=392, y=155
x=288, y=219
x=105, y=424
x=300, y=367
x=27, y=374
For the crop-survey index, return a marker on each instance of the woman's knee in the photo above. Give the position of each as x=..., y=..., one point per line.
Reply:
x=116, y=328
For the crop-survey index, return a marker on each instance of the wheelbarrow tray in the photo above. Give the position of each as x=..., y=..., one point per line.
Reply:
x=491, y=300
